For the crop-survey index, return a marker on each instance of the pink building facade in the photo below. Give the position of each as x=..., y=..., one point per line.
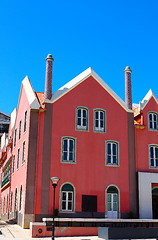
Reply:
x=103, y=150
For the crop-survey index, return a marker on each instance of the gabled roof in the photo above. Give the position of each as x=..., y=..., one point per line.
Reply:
x=79, y=79
x=147, y=98
x=31, y=96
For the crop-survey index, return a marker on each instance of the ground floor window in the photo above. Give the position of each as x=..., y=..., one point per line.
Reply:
x=89, y=203
x=67, y=197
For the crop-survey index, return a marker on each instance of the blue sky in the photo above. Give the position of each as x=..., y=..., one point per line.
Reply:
x=105, y=35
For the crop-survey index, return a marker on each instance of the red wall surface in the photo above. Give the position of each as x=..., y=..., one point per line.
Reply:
x=144, y=137
x=18, y=178
x=89, y=175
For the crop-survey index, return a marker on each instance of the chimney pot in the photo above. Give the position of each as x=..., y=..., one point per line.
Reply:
x=128, y=87
x=48, y=77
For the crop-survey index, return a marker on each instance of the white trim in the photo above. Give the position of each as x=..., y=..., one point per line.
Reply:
x=31, y=96
x=118, y=153
x=74, y=198
x=151, y=145
x=104, y=122
x=146, y=99
x=106, y=200
x=76, y=111
x=152, y=129
x=75, y=144
x=79, y=79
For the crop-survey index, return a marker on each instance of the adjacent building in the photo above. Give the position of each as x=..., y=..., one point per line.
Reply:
x=104, y=150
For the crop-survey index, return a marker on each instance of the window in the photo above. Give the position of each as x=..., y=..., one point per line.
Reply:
x=7, y=204
x=153, y=121
x=25, y=121
x=153, y=156
x=15, y=201
x=67, y=198
x=111, y=153
x=89, y=203
x=99, y=121
x=11, y=201
x=68, y=149
x=23, y=152
x=18, y=158
x=20, y=200
x=82, y=118
x=20, y=129
x=4, y=205
x=13, y=164
x=15, y=132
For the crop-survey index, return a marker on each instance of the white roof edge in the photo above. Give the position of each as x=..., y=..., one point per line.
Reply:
x=110, y=91
x=80, y=78
x=8, y=115
x=33, y=101
x=13, y=118
x=147, y=98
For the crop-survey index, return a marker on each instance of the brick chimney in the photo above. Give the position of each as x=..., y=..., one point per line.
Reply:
x=128, y=87
x=48, y=77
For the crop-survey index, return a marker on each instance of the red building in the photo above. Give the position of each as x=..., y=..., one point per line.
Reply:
x=92, y=140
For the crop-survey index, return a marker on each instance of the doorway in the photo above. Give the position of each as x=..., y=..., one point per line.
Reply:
x=155, y=202
x=112, y=202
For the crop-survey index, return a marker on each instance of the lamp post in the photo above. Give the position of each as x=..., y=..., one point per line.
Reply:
x=54, y=184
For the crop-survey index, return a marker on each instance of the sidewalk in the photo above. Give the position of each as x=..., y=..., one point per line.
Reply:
x=10, y=231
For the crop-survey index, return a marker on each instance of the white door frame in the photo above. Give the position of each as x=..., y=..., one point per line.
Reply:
x=112, y=214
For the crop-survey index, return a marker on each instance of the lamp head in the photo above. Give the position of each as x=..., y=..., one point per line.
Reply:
x=55, y=181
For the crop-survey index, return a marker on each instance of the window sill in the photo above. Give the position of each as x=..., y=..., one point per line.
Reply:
x=68, y=162
x=112, y=165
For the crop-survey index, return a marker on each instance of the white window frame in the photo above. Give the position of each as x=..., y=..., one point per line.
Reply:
x=68, y=139
x=99, y=128
x=67, y=201
x=154, y=146
x=112, y=142
x=152, y=121
x=81, y=126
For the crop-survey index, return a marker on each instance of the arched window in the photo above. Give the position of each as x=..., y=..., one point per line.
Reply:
x=153, y=156
x=82, y=118
x=99, y=120
x=153, y=121
x=67, y=197
x=20, y=200
x=68, y=149
x=15, y=201
x=11, y=201
x=112, y=153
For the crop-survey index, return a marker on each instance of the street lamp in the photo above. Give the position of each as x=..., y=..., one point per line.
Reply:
x=54, y=184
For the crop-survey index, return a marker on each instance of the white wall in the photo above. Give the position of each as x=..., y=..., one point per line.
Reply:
x=145, y=181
